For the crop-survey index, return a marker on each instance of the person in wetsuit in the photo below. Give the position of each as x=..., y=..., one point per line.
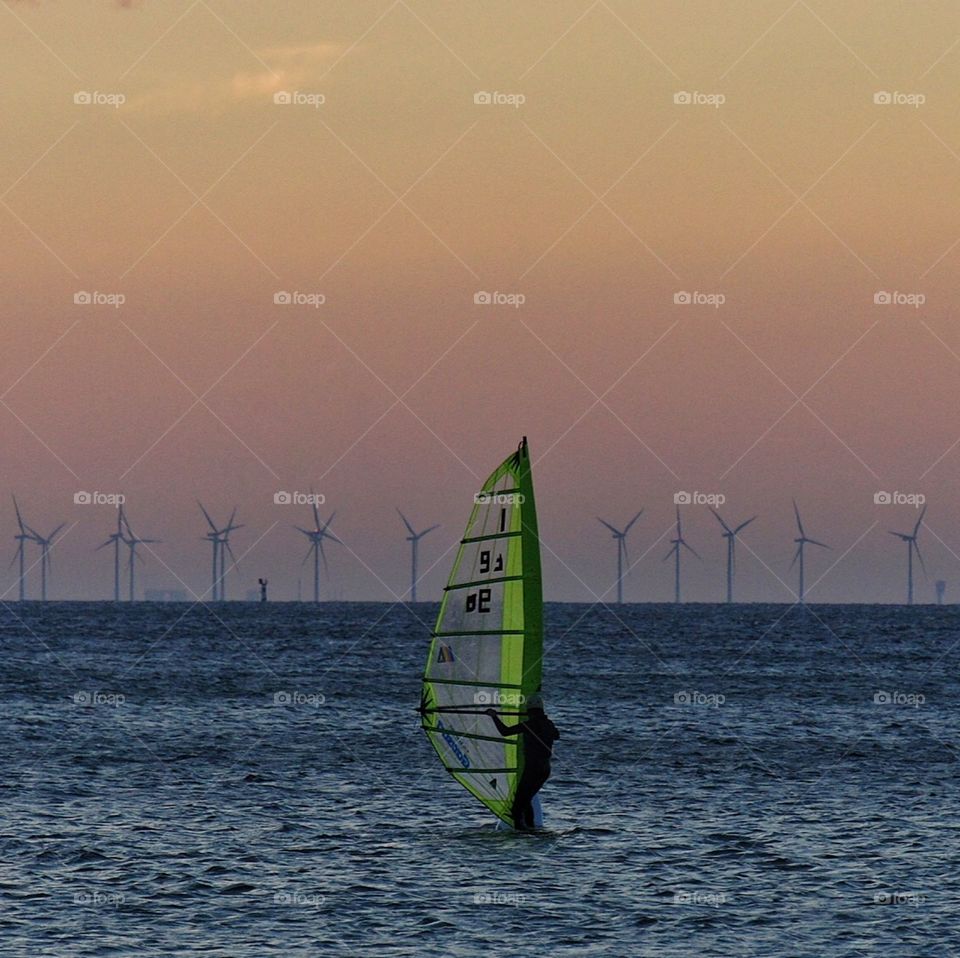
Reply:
x=539, y=734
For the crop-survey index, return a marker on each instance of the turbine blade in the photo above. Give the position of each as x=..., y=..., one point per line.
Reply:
x=616, y=532
x=402, y=516
x=822, y=545
x=916, y=528
x=720, y=519
x=691, y=549
x=796, y=555
x=313, y=545
x=55, y=531
x=796, y=512
x=425, y=531
x=632, y=521
x=206, y=515
x=323, y=555
x=743, y=525
x=919, y=556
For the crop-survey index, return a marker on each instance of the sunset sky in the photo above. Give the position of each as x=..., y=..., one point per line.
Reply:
x=784, y=189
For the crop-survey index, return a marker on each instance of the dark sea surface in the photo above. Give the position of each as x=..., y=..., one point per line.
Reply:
x=246, y=781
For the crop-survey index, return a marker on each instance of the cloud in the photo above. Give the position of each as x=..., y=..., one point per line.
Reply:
x=290, y=67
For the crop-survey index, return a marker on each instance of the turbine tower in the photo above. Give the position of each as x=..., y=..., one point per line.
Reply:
x=114, y=539
x=731, y=536
x=414, y=540
x=45, y=565
x=621, y=537
x=678, y=543
x=316, y=535
x=132, y=541
x=25, y=535
x=220, y=542
x=911, y=541
x=802, y=540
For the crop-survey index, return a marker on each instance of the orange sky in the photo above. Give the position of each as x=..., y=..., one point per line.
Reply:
x=598, y=199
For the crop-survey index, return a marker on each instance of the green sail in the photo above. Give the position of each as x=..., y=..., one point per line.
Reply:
x=487, y=645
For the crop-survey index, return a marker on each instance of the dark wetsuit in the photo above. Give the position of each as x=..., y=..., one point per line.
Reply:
x=539, y=734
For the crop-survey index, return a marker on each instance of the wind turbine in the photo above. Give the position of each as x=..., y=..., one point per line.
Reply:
x=132, y=541
x=114, y=539
x=621, y=537
x=911, y=541
x=731, y=536
x=316, y=535
x=25, y=535
x=220, y=541
x=414, y=540
x=45, y=543
x=675, y=552
x=801, y=541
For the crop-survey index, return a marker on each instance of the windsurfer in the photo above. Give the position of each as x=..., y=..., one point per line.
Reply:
x=539, y=734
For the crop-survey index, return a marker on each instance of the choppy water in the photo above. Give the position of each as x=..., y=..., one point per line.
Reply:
x=726, y=784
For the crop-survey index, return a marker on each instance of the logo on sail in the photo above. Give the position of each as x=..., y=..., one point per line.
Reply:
x=445, y=654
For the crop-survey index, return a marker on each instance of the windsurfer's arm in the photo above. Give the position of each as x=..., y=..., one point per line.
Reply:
x=501, y=728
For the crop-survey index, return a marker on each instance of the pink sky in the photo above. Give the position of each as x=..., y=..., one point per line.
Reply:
x=598, y=199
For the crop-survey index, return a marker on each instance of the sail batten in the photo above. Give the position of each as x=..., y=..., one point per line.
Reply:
x=487, y=645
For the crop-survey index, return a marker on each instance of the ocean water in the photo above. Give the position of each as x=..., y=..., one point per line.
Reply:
x=245, y=780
